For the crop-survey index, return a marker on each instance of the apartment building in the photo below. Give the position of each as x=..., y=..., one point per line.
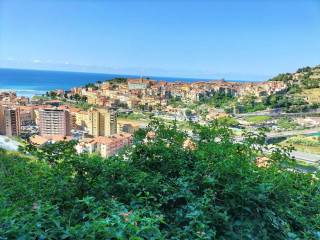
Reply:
x=10, y=123
x=53, y=121
x=104, y=146
x=27, y=115
x=102, y=122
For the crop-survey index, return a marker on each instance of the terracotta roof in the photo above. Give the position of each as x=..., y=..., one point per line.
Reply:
x=38, y=140
x=112, y=139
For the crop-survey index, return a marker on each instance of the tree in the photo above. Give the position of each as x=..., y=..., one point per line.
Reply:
x=91, y=85
x=304, y=69
x=52, y=94
x=284, y=77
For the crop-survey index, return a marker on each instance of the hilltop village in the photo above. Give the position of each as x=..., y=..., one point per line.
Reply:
x=152, y=94
x=103, y=116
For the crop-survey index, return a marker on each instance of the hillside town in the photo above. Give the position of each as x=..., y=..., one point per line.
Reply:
x=149, y=94
x=103, y=116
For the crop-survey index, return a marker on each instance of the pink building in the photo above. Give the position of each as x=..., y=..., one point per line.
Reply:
x=54, y=121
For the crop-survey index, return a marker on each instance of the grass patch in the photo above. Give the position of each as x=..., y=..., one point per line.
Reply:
x=257, y=119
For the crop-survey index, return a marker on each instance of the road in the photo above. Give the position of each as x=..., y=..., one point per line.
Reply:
x=306, y=157
x=283, y=134
x=277, y=113
x=292, y=133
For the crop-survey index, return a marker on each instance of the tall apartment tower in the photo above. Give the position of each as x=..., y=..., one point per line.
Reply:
x=94, y=122
x=111, y=126
x=2, y=122
x=102, y=122
x=54, y=121
x=10, y=123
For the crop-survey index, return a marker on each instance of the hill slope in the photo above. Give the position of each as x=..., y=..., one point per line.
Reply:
x=302, y=94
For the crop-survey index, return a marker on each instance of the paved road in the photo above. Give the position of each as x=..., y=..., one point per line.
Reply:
x=307, y=157
x=292, y=133
x=277, y=113
x=272, y=135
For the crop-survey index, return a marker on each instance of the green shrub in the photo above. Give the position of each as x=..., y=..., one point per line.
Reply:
x=159, y=188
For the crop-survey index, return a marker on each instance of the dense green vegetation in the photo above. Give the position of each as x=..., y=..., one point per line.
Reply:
x=78, y=98
x=250, y=104
x=218, y=100
x=50, y=95
x=160, y=188
x=176, y=102
x=117, y=80
x=285, y=77
x=289, y=102
x=91, y=85
x=282, y=101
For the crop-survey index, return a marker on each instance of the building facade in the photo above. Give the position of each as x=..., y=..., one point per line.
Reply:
x=102, y=122
x=10, y=123
x=54, y=121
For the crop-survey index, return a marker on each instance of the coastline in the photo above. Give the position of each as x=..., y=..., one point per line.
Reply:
x=24, y=92
x=28, y=82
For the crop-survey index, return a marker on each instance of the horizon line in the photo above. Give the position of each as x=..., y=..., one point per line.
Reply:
x=131, y=75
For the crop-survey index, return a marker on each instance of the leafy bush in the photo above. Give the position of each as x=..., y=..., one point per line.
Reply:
x=167, y=185
x=285, y=77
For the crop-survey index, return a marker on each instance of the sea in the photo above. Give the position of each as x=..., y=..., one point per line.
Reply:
x=36, y=82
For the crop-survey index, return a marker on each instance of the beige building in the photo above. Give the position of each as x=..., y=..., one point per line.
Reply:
x=10, y=123
x=26, y=117
x=102, y=122
x=82, y=119
x=104, y=146
x=2, y=122
x=53, y=121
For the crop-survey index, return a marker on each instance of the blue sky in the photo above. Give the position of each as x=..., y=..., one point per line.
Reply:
x=235, y=39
